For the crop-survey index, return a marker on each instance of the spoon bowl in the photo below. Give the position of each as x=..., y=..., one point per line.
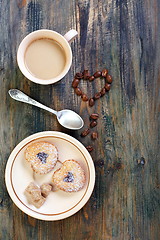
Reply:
x=70, y=119
x=67, y=118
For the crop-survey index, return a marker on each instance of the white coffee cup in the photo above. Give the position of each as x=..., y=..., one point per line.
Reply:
x=44, y=33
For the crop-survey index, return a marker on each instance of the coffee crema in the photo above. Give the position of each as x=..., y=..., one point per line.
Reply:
x=45, y=58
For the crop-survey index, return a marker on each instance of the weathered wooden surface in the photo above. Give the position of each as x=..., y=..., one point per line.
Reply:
x=123, y=36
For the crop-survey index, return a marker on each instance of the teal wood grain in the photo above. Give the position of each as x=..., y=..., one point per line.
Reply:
x=123, y=36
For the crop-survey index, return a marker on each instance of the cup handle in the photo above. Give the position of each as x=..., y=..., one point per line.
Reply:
x=71, y=35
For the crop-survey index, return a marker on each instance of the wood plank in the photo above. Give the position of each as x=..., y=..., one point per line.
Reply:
x=123, y=36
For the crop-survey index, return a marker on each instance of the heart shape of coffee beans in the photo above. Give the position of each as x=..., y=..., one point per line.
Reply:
x=86, y=76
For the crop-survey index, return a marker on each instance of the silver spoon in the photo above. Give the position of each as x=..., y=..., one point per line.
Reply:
x=67, y=118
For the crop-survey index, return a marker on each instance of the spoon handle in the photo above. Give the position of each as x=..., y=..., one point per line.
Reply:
x=20, y=96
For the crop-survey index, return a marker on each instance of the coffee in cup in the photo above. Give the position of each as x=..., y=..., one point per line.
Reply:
x=45, y=56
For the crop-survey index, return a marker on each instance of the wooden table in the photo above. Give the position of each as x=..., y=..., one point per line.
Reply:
x=123, y=36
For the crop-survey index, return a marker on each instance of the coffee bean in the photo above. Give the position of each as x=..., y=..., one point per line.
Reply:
x=97, y=96
x=103, y=91
x=91, y=78
x=109, y=78
x=86, y=74
x=94, y=116
x=93, y=124
x=84, y=97
x=75, y=82
x=91, y=102
x=97, y=74
x=85, y=132
x=141, y=161
x=104, y=72
x=89, y=148
x=99, y=163
x=78, y=91
x=107, y=87
x=79, y=75
x=94, y=135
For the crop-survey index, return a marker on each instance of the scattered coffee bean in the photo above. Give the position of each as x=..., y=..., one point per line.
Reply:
x=84, y=97
x=93, y=124
x=89, y=148
x=141, y=161
x=91, y=78
x=86, y=74
x=78, y=91
x=107, y=86
x=104, y=72
x=99, y=163
x=85, y=132
x=97, y=96
x=94, y=116
x=94, y=135
x=75, y=82
x=97, y=74
x=109, y=78
x=91, y=102
x=103, y=91
x=79, y=75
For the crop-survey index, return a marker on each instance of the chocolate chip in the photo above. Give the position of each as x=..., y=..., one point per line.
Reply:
x=84, y=97
x=107, y=86
x=104, y=72
x=78, y=91
x=75, y=82
x=42, y=156
x=97, y=74
x=94, y=116
x=103, y=91
x=109, y=78
x=86, y=74
x=91, y=102
x=85, y=132
x=79, y=75
x=93, y=124
x=69, y=177
x=94, y=135
x=89, y=148
x=91, y=78
x=97, y=96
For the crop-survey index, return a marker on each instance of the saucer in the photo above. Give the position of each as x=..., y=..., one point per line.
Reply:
x=58, y=204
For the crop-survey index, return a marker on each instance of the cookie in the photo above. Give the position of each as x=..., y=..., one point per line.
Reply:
x=42, y=156
x=33, y=195
x=70, y=177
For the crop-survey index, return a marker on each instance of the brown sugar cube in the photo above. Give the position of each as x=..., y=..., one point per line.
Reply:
x=34, y=191
x=39, y=203
x=33, y=195
x=45, y=189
